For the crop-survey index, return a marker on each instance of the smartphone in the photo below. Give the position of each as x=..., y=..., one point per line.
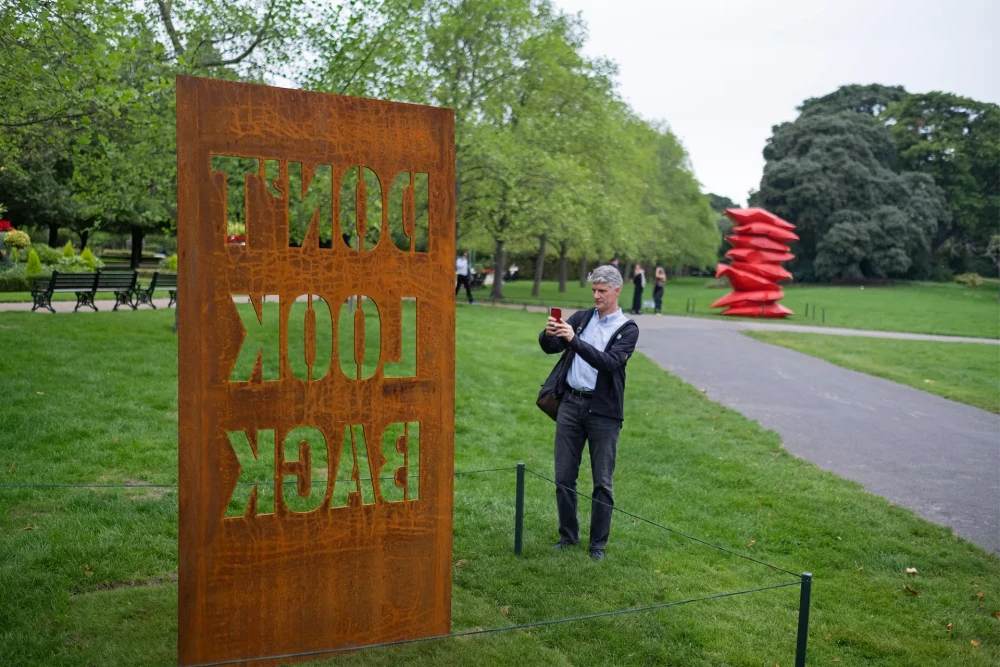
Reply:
x=556, y=313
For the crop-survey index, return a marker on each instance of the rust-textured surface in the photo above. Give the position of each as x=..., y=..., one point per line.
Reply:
x=273, y=578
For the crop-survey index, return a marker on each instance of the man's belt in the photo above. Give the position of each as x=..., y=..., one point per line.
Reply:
x=580, y=394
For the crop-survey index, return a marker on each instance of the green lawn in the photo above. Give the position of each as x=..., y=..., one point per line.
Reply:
x=965, y=372
x=82, y=406
x=932, y=308
x=21, y=297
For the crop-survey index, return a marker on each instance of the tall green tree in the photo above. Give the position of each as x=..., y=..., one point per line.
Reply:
x=832, y=175
x=956, y=140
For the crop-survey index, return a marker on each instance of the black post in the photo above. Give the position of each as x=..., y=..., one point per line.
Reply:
x=803, y=635
x=807, y=311
x=519, y=510
x=824, y=316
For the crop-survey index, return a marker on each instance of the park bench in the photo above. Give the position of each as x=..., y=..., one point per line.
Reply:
x=122, y=283
x=84, y=285
x=167, y=281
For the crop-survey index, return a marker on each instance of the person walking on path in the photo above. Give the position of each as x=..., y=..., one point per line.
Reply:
x=659, y=280
x=639, y=280
x=462, y=275
x=590, y=381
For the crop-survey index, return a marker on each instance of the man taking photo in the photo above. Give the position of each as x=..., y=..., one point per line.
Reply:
x=590, y=382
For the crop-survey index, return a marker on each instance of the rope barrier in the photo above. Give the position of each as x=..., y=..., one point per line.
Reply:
x=666, y=528
x=506, y=628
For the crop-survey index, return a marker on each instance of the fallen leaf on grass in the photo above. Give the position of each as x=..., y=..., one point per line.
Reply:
x=834, y=659
x=460, y=563
x=87, y=570
x=505, y=611
x=826, y=638
x=29, y=527
x=911, y=570
x=929, y=381
x=910, y=590
x=980, y=595
x=997, y=614
x=11, y=468
x=751, y=543
x=656, y=571
x=40, y=393
x=974, y=642
x=840, y=538
x=950, y=626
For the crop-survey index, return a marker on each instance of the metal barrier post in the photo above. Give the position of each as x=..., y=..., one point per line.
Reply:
x=803, y=634
x=824, y=316
x=519, y=510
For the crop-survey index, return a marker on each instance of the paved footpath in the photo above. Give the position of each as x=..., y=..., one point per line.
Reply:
x=937, y=457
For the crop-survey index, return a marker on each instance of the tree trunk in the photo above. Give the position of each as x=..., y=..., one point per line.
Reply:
x=53, y=235
x=539, y=266
x=137, y=235
x=176, y=316
x=628, y=270
x=498, y=269
x=562, y=267
x=84, y=235
x=583, y=271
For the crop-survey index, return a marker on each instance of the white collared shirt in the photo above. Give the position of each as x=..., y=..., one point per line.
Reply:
x=461, y=267
x=582, y=376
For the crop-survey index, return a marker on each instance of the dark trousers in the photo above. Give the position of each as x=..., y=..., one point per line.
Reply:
x=574, y=426
x=463, y=280
x=658, y=297
x=637, y=300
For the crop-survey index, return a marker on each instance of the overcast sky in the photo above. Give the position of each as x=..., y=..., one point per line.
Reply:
x=721, y=73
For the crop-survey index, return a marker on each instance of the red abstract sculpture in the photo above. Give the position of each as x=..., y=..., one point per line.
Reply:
x=759, y=246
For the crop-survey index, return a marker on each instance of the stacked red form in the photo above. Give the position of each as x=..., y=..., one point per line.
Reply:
x=759, y=247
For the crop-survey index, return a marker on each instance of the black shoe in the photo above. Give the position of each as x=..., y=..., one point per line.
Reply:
x=597, y=554
x=563, y=544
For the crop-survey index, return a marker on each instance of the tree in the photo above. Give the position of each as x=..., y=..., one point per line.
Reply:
x=956, y=140
x=870, y=100
x=832, y=175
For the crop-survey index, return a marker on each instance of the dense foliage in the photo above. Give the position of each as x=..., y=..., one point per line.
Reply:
x=549, y=159
x=886, y=184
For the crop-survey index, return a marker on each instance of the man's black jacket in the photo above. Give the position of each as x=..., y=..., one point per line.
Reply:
x=609, y=392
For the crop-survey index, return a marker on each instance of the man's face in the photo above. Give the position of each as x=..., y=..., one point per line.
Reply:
x=605, y=296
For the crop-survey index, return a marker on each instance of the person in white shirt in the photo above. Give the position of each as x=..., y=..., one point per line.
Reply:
x=462, y=275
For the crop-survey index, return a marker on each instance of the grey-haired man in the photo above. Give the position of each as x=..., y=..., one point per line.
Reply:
x=590, y=380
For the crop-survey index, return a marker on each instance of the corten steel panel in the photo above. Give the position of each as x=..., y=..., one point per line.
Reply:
x=271, y=584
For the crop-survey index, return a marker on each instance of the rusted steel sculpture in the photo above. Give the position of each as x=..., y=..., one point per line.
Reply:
x=759, y=246
x=315, y=474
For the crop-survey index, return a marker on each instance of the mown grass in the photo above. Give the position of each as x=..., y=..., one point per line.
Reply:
x=964, y=372
x=93, y=400
x=932, y=308
x=22, y=297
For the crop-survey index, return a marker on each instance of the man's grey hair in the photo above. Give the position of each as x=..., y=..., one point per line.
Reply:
x=606, y=274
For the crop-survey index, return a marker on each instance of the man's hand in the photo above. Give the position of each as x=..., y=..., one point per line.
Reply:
x=550, y=327
x=562, y=329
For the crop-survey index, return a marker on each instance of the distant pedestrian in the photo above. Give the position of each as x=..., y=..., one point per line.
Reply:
x=639, y=281
x=462, y=275
x=659, y=280
x=621, y=271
